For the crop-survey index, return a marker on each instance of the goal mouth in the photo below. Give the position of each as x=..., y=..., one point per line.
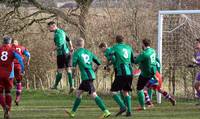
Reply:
x=177, y=34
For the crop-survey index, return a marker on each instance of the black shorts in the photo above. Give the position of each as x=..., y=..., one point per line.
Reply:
x=87, y=86
x=142, y=82
x=122, y=83
x=64, y=61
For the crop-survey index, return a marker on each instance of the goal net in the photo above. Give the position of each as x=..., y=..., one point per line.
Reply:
x=177, y=33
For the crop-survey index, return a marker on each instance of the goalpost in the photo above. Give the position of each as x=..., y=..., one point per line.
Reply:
x=183, y=19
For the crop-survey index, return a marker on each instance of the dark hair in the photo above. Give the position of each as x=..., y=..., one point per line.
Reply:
x=119, y=38
x=7, y=40
x=198, y=40
x=51, y=23
x=101, y=45
x=146, y=42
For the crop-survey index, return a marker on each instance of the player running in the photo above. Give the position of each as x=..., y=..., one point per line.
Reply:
x=17, y=68
x=84, y=58
x=64, y=58
x=147, y=64
x=7, y=56
x=123, y=58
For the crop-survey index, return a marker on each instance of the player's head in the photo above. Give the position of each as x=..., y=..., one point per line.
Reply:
x=146, y=43
x=80, y=42
x=7, y=40
x=197, y=44
x=103, y=46
x=52, y=26
x=15, y=42
x=119, y=39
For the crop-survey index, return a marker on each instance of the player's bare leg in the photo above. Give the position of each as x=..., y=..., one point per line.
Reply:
x=197, y=88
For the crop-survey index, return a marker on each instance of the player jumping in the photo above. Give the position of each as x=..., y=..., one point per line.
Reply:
x=64, y=58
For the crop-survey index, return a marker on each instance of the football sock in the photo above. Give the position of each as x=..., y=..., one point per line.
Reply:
x=119, y=101
x=76, y=104
x=100, y=103
x=141, y=98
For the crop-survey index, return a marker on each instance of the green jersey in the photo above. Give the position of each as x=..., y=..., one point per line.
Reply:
x=147, y=62
x=108, y=54
x=60, y=42
x=84, y=58
x=123, y=56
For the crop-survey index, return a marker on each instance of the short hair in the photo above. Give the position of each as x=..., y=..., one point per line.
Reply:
x=119, y=38
x=51, y=23
x=7, y=40
x=103, y=44
x=146, y=42
x=79, y=42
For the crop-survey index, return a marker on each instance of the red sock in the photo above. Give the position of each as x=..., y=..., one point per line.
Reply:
x=166, y=95
x=8, y=100
x=18, y=91
x=2, y=101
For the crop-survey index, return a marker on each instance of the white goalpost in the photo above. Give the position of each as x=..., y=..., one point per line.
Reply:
x=160, y=32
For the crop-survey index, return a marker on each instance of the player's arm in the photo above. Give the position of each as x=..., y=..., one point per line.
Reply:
x=28, y=56
x=69, y=42
x=139, y=58
x=110, y=59
x=20, y=60
x=96, y=61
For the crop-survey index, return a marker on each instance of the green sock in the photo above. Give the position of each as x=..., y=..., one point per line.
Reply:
x=58, y=78
x=119, y=101
x=70, y=79
x=76, y=104
x=100, y=103
x=122, y=96
x=141, y=98
x=128, y=102
x=150, y=93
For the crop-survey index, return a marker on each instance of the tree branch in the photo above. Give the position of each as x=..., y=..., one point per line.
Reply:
x=54, y=11
x=30, y=23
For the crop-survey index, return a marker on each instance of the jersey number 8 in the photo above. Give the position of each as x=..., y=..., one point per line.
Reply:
x=4, y=56
x=86, y=58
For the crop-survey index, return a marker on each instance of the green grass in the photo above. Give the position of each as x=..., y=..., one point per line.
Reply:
x=51, y=105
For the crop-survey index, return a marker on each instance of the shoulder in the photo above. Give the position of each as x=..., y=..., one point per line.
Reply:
x=59, y=31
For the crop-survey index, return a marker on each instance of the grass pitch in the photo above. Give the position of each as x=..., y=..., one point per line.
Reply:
x=51, y=105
